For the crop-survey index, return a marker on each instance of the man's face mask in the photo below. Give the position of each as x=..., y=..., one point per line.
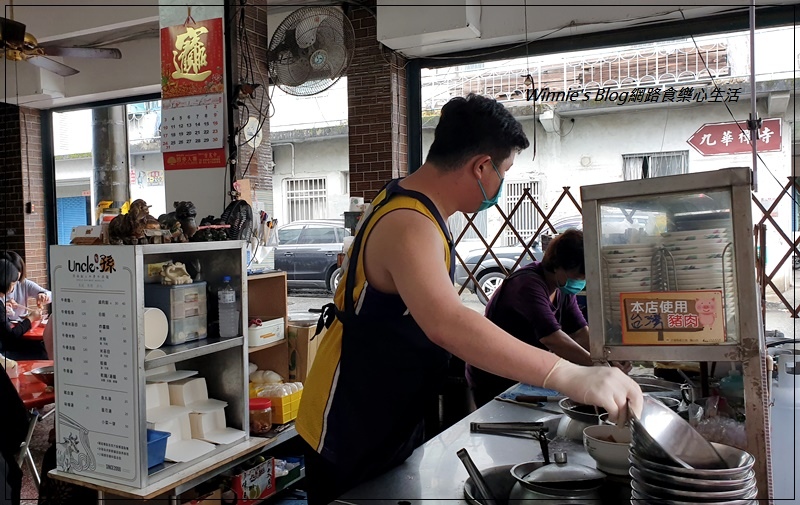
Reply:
x=487, y=202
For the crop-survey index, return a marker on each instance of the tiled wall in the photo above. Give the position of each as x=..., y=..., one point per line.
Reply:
x=377, y=115
x=21, y=162
x=258, y=166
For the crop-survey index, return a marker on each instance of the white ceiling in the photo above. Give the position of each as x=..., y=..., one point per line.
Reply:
x=449, y=26
x=404, y=25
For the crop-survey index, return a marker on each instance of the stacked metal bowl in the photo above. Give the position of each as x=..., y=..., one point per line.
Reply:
x=672, y=464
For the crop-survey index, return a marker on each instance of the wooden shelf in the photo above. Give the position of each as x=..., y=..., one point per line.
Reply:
x=189, y=350
x=265, y=346
x=266, y=275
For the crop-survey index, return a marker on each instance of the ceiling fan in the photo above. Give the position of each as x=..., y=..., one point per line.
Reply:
x=18, y=45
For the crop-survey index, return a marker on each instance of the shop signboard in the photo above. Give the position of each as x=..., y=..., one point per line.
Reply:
x=714, y=139
x=97, y=424
x=673, y=318
x=192, y=92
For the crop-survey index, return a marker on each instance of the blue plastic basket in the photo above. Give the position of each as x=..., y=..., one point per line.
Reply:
x=156, y=447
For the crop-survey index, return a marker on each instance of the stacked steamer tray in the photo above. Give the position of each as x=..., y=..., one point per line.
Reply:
x=702, y=261
x=626, y=269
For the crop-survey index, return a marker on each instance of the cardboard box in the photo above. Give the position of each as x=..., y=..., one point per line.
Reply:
x=86, y=235
x=302, y=350
x=214, y=498
x=254, y=485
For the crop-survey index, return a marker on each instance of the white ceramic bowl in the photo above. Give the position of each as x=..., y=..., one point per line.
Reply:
x=611, y=457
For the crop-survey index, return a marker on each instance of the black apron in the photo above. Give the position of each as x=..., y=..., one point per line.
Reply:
x=387, y=370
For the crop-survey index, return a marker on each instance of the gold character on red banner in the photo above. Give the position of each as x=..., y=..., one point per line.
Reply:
x=190, y=56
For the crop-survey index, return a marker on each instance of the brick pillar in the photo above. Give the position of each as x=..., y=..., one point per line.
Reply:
x=377, y=115
x=258, y=166
x=21, y=171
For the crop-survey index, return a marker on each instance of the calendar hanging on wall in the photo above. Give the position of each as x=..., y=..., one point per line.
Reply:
x=192, y=123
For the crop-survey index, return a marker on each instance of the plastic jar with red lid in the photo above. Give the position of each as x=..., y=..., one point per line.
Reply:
x=260, y=416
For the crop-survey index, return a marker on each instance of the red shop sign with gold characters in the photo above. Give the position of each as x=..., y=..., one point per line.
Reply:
x=673, y=318
x=192, y=61
x=192, y=92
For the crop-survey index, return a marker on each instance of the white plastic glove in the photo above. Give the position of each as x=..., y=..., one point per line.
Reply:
x=606, y=387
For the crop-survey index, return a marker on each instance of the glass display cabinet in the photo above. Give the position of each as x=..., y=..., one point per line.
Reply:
x=677, y=281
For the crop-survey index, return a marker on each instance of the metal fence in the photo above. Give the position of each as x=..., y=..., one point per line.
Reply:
x=766, y=278
x=525, y=223
x=526, y=209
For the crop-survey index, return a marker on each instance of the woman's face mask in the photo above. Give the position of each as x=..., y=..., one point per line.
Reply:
x=490, y=202
x=572, y=286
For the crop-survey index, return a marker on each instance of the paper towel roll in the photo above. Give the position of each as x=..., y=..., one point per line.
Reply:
x=155, y=328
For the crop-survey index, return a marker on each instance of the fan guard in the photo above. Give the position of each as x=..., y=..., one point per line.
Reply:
x=311, y=50
x=239, y=215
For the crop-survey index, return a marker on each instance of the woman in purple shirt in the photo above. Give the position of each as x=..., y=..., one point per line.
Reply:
x=537, y=305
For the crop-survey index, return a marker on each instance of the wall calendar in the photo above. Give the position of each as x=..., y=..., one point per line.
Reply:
x=192, y=123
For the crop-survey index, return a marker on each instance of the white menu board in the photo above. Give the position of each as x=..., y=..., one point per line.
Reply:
x=192, y=122
x=94, y=305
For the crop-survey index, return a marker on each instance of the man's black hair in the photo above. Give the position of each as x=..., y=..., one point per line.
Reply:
x=565, y=251
x=472, y=126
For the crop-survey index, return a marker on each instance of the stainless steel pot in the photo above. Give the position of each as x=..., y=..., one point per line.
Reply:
x=558, y=483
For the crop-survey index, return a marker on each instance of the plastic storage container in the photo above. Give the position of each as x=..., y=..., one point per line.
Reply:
x=260, y=416
x=185, y=306
x=156, y=447
x=228, y=311
x=269, y=332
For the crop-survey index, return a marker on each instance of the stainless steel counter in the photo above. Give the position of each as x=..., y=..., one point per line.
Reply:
x=435, y=474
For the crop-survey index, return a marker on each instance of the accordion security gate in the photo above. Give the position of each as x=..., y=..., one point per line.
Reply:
x=763, y=218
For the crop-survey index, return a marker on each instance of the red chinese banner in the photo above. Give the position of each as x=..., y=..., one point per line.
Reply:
x=208, y=158
x=192, y=92
x=192, y=61
x=673, y=317
x=713, y=139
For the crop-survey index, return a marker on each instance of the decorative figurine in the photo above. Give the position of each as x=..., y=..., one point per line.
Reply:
x=129, y=228
x=186, y=212
x=175, y=273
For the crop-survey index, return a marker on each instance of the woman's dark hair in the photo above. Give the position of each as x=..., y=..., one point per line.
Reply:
x=16, y=260
x=8, y=275
x=471, y=126
x=565, y=251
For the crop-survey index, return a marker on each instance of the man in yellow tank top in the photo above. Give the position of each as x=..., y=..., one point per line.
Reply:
x=396, y=316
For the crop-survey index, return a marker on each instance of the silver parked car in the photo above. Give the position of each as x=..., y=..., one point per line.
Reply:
x=489, y=274
x=307, y=251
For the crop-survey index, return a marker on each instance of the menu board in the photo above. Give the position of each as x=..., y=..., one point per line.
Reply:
x=94, y=307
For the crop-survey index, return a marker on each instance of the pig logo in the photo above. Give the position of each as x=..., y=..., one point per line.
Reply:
x=707, y=312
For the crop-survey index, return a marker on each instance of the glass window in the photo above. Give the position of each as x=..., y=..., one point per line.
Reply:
x=289, y=235
x=342, y=233
x=80, y=199
x=307, y=199
x=309, y=139
x=312, y=235
x=668, y=269
x=647, y=165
